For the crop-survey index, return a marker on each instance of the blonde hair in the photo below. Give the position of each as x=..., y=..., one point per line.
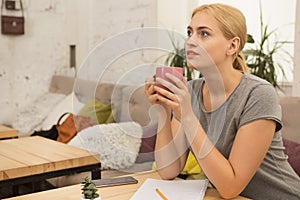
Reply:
x=232, y=24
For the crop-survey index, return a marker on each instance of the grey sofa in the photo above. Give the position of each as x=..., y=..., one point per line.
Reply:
x=130, y=101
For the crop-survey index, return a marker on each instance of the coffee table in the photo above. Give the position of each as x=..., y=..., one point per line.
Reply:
x=34, y=159
x=6, y=132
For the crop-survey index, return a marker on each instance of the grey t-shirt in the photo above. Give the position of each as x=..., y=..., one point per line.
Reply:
x=252, y=99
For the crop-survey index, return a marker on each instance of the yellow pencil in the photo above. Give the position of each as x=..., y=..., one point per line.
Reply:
x=161, y=194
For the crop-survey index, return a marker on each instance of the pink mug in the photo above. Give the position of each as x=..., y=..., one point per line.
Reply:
x=161, y=73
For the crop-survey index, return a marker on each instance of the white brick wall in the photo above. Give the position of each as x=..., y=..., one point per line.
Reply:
x=28, y=62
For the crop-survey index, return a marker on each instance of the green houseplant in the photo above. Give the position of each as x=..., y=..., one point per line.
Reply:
x=89, y=190
x=261, y=59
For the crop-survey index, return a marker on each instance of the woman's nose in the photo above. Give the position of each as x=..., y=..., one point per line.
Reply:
x=190, y=42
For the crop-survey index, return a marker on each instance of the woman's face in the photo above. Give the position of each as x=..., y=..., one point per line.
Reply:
x=206, y=44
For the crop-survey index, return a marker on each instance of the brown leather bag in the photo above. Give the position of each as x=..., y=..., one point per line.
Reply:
x=12, y=24
x=73, y=124
x=66, y=130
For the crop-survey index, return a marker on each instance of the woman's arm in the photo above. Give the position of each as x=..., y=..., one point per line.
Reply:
x=171, y=149
x=230, y=176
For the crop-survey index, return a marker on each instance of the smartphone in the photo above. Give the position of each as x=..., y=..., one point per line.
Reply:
x=114, y=181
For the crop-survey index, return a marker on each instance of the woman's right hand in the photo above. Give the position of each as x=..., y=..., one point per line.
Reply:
x=153, y=97
x=149, y=90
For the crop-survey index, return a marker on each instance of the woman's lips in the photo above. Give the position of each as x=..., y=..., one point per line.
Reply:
x=191, y=53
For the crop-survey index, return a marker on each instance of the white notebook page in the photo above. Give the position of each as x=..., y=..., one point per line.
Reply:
x=173, y=190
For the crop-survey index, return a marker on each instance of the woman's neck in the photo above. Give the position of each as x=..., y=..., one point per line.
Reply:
x=218, y=86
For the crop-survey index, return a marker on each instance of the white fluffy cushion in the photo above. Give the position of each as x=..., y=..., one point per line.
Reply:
x=68, y=104
x=117, y=144
x=31, y=117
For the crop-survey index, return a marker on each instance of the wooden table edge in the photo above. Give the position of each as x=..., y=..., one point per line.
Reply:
x=75, y=191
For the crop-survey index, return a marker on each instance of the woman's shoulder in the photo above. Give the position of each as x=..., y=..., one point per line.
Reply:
x=257, y=89
x=254, y=80
x=248, y=81
x=253, y=83
x=249, y=84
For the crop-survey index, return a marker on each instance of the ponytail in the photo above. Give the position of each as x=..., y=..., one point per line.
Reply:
x=239, y=63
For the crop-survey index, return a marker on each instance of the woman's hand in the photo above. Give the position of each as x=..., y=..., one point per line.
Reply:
x=178, y=98
x=170, y=147
x=153, y=97
x=149, y=90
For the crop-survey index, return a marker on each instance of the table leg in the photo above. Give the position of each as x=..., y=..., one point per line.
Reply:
x=15, y=190
x=96, y=173
x=36, y=186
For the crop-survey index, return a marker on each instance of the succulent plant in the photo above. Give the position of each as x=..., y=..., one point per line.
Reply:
x=89, y=189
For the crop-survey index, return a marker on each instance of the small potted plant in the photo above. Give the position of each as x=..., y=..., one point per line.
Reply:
x=89, y=190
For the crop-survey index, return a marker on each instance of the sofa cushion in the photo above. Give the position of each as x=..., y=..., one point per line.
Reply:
x=146, y=152
x=69, y=104
x=117, y=144
x=290, y=118
x=135, y=105
x=87, y=90
x=292, y=149
x=30, y=117
x=97, y=111
x=84, y=89
x=191, y=165
x=61, y=84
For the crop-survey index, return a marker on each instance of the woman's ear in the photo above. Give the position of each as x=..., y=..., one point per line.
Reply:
x=233, y=46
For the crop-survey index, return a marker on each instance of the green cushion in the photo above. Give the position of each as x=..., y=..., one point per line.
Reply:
x=99, y=112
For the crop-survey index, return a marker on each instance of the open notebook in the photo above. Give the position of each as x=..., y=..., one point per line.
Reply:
x=171, y=190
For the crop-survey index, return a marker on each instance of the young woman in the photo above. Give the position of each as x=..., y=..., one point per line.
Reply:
x=229, y=119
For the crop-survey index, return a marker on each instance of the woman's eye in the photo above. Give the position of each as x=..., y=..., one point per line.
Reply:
x=204, y=33
x=189, y=33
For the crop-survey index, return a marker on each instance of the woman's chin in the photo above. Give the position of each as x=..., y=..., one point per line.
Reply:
x=190, y=65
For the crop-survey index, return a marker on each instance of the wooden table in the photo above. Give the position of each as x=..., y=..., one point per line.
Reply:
x=31, y=159
x=6, y=132
x=123, y=192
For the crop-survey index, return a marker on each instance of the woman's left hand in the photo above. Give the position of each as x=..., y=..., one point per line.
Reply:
x=178, y=98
